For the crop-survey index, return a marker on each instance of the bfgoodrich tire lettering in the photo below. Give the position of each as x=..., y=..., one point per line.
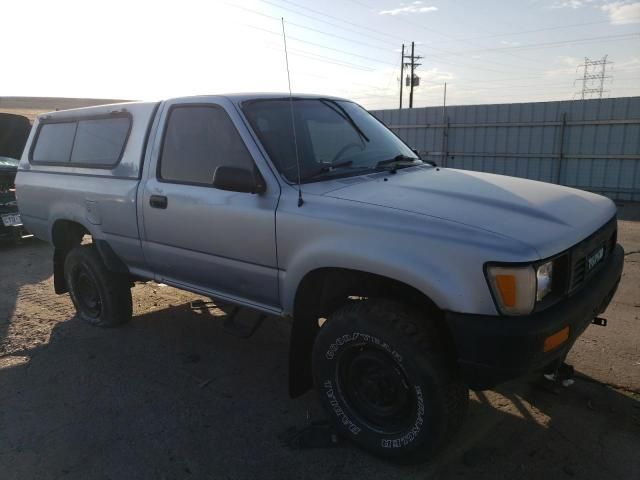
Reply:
x=382, y=375
x=101, y=297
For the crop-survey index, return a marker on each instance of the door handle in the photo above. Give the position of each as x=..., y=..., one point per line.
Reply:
x=158, y=201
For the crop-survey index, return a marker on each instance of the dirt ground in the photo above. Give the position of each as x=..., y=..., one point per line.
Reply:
x=172, y=396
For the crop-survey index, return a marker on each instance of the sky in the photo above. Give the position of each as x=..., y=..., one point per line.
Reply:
x=487, y=51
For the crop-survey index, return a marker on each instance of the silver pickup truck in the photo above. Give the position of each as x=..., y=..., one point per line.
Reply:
x=406, y=283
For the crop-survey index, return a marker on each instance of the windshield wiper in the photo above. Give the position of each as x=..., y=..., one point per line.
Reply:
x=329, y=167
x=392, y=164
x=339, y=109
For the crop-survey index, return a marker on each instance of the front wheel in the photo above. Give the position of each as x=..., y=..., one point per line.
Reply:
x=382, y=374
x=101, y=297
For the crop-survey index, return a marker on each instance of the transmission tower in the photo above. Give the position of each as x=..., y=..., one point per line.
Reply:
x=412, y=80
x=593, y=77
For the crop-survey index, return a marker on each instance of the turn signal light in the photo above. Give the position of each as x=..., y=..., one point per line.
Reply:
x=514, y=288
x=507, y=287
x=555, y=340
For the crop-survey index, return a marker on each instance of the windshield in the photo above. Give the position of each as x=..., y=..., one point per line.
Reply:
x=334, y=138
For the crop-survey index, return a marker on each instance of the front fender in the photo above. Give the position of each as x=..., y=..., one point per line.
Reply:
x=442, y=259
x=336, y=253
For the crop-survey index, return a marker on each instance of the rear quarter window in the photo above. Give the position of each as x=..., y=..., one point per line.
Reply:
x=90, y=142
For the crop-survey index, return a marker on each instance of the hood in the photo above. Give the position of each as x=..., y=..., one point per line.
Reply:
x=14, y=131
x=549, y=218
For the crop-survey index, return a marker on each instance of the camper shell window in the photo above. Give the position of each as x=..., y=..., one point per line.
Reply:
x=93, y=142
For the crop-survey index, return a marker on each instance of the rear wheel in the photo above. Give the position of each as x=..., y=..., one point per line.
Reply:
x=101, y=297
x=382, y=374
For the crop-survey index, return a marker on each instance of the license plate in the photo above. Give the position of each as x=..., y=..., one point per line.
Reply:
x=11, y=220
x=595, y=258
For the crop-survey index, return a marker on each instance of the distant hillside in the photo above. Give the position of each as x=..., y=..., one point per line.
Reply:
x=30, y=107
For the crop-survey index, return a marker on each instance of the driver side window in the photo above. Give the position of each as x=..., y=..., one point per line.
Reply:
x=197, y=140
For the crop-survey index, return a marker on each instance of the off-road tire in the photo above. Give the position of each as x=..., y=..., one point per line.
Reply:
x=379, y=330
x=83, y=265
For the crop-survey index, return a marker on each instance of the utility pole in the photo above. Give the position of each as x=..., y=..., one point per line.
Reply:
x=593, y=77
x=445, y=127
x=413, y=80
x=401, y=74
x=413, y=66
x=444, y=102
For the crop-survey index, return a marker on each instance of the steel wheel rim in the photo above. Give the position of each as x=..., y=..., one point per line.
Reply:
x=87, y=293
x=376, y=389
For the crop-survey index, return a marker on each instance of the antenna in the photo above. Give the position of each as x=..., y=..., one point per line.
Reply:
x=293, y=120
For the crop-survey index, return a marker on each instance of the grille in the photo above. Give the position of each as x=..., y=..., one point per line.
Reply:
x=603, y=237
x=578, y=274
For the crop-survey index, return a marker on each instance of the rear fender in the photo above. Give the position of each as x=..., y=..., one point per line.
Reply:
x=65, y=236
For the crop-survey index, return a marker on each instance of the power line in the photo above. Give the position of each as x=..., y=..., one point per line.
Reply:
x=436, y=57
x=376, y=60
x=344, y=52
x=378, y=32
x=371, y=59
x=353, y=24
x=506, y=49
x=545, y=29
x=322, y=32
x=431, y=30
x=255, y=27
x=605, y=38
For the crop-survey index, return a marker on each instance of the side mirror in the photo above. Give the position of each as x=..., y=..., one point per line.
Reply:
x=237, y=179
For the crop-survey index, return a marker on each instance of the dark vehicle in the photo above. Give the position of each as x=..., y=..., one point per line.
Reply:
x=14, y=131
x=11, y=227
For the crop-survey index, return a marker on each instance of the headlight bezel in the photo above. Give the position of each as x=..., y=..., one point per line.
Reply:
x=557, y=287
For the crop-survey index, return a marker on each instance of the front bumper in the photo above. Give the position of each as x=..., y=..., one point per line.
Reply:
x=494, y=349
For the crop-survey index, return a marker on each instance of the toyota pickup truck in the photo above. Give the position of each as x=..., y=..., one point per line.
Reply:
x=406, y=283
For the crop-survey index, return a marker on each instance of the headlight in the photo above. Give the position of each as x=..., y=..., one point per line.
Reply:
x=516, y=289
x=544, y=277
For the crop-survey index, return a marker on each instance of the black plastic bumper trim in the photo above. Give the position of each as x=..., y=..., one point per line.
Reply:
x=494, y=349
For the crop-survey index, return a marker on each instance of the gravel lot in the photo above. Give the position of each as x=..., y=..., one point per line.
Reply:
x=172, y=396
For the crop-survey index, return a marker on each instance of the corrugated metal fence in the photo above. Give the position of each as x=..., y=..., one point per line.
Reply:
x=588, y=144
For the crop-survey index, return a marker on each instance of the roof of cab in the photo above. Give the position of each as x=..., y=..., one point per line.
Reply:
x=241, y=97
x=236, y=98
x=96, y=110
